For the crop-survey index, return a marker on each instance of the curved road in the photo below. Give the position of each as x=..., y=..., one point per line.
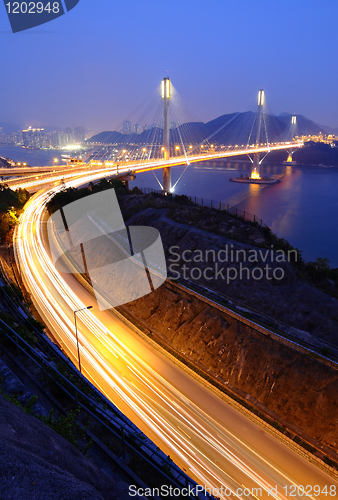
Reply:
x=188, y=419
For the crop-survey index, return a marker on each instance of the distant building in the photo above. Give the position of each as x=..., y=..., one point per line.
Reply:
x=127, y=127
x=137, y=128
x=79, y=135
x=17, y=137
x=34, y=138
x=10, y=139
x=59, y=139
x=69, y=135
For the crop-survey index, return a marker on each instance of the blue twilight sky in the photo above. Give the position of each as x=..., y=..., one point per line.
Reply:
x=94, y=65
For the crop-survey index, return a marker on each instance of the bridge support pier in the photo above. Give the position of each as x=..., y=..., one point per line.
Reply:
x=166, y=96
x=127, y=178
x=167, y=180
x=255, y=173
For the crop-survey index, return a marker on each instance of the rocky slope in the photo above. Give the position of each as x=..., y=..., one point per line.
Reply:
x=35, y=462
x=287, y=299
x=297, y=390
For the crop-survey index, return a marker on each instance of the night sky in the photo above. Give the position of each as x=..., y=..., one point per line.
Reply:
x=97, y=63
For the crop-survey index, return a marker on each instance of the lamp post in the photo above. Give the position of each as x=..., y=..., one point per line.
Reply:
x=77, y=337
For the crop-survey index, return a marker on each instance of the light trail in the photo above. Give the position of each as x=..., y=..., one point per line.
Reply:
x=214, y=443
x=110, y=168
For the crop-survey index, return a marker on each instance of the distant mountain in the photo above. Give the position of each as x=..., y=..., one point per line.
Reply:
x=234, y=128
x=329, y=130
x=305, y=126
x=4, y=163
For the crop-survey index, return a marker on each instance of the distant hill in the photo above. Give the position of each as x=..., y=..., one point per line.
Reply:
x=4, y=163
x=305, y=126
x=313, y=153
x=330, y=130
x=234, y=128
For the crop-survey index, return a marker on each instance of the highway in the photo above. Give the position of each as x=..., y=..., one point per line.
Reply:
x=41, y=176
x=188, y=419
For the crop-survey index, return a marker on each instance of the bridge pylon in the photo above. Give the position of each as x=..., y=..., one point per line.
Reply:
x=255, y=174
x=166, y=96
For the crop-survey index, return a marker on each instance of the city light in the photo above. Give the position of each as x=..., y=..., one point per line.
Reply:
x=72, y=147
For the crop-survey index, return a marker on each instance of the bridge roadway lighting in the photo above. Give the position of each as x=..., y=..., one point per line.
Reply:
x=76, y=334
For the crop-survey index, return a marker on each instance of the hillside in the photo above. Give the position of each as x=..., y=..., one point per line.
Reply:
x=234, y=128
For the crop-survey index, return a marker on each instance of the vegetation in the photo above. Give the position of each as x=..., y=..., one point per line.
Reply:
x=71, y=194
x=11, y=202
x=65, y=425
x=68, y=428
x=26, y=331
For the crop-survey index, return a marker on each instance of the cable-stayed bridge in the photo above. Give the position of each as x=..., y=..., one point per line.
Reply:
x=219, y=444
x=172, y=139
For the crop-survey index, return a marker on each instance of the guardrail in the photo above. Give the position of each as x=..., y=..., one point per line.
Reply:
x=123, y=432
x=204, y=202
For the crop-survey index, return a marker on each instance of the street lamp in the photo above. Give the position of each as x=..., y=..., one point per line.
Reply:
x=77, y=338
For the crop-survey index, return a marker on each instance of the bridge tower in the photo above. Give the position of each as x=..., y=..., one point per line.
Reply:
x=294, y=127
x=293, y=133
x=166, y=96
x=255, y=174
